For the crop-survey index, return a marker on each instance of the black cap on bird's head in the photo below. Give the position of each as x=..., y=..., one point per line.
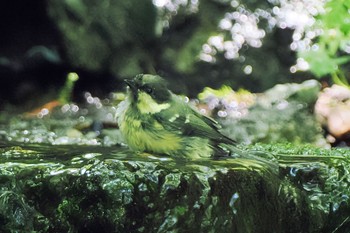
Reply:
x=153, y=85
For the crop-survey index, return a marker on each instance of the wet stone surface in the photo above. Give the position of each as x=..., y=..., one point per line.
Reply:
x=109, y=189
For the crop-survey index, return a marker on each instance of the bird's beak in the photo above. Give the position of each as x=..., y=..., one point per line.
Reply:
x=131, y=83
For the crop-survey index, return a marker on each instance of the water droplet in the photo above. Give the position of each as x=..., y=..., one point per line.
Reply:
x=222, y=113
x=248, y=69
x=90, y=99
x=75, y=108
x=91, y=155
x=293, y=171
x=233, y=200
x=172, y=181
x=142, y=187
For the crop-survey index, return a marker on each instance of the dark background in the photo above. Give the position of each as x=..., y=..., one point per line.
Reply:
x=41, y=41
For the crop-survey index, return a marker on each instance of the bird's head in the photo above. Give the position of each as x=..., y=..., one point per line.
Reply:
x=148, y=92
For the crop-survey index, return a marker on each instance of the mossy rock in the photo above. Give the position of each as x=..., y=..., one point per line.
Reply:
x=75, y=188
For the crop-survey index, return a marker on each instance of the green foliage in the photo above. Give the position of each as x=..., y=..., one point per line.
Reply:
x=322, y=62
x=96, y=35
x=175, y=38
x=66, y=92
x=221, y=92
x=326, y=57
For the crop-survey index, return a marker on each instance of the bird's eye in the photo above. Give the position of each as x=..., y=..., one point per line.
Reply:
x=149, y=90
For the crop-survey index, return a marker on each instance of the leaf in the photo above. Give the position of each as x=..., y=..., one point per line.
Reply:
x=321, y=63
x=337, y=15
x=342, y=60
x=220, y=93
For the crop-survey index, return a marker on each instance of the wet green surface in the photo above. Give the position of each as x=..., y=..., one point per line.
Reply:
x=76, y=188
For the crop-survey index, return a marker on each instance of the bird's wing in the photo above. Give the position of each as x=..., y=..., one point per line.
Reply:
x=189, y=122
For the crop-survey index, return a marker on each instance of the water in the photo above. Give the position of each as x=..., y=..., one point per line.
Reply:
x=55, y=175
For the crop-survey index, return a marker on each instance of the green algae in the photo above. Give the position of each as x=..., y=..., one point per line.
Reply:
x=95, y=189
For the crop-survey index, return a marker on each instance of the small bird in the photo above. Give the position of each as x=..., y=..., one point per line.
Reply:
x=154, y=120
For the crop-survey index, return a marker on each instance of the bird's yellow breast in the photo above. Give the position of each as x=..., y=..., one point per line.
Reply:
x=142, y=132
x=152, y=139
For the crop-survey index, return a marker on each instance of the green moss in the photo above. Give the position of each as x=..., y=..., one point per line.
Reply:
x=301, y=189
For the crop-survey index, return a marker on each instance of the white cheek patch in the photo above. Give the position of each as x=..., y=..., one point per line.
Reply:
x=146, y=104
